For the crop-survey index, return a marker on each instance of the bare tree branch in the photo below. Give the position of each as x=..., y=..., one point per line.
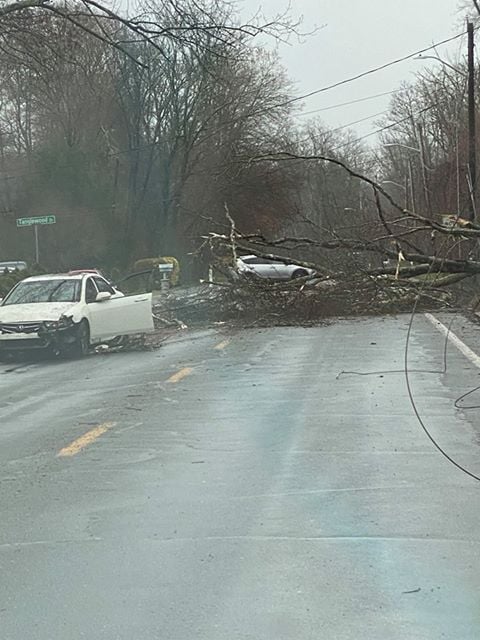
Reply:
x=287, y=156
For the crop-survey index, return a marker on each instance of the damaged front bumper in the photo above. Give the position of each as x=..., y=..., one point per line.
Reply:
x=54, y=335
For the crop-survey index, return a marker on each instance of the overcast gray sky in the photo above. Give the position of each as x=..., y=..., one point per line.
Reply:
x=357, y=36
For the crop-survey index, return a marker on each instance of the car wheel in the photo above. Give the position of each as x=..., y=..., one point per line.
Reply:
x=299, y=273
x=81, y=344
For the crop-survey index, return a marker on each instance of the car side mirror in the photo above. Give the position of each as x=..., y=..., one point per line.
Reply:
x=103, y=296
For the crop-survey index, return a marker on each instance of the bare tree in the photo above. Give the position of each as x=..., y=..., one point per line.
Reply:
x=143, y=137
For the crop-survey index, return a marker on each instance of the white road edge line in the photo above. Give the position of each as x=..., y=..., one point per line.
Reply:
x=455, y=340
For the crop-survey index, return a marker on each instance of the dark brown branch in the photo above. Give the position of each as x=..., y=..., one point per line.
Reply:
x=80, y=25
x=401, y=234
x=287, y=156
x=386, y=225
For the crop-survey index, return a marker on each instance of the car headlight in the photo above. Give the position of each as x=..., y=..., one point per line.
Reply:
x=51, y=324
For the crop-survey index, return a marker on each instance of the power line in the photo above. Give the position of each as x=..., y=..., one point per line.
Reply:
x=350, y=124
x=370, y=71
x=344, y=126
x=264, y=110
x=307, y=95
x=313, y=136
x=284, y=103
x=386, y=127
x=346, y=104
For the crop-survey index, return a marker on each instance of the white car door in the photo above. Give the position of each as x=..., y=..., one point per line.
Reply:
x=264, y=268
x=119, y=316
x=281, y=270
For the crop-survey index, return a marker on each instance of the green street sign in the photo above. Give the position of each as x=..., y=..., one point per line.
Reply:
x=28, y=222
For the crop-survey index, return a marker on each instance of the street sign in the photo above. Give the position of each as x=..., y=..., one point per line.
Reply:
x=34, y=222
x=28, y=222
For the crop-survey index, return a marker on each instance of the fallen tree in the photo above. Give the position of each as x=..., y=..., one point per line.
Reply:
x=405, y=273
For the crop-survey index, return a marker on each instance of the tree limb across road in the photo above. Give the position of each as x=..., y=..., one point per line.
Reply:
x=415, y=255
x=473, y=231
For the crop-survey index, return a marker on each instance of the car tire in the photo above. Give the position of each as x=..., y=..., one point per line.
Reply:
x=81, y=345
x=299, y=273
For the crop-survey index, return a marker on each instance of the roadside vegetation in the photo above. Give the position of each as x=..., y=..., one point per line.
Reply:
x=8, y=279
x=172, y=131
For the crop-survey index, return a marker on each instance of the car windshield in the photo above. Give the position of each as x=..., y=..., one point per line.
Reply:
x=54, y=290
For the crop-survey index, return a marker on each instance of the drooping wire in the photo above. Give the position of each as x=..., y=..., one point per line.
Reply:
x=406, y=371
x=462, y=397
x=414, y=404
x=375, y=373
x=420, y=420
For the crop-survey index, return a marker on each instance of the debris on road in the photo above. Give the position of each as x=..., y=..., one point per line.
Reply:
x=258, y=302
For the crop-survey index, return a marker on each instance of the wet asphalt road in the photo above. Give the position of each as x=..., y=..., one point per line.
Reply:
x=236, y=487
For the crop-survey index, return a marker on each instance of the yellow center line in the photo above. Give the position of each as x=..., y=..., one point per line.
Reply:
x=180, y=375
x=88, y=438
x=223, y=344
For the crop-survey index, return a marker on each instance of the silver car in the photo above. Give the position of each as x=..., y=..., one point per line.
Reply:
x=271, y=269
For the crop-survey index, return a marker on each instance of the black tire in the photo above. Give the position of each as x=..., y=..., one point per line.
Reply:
x=299, y=273
x=81, y=345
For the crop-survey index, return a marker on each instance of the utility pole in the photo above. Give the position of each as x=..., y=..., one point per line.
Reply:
x=37, y=247
x=412, y=184
x=406, y=187
x=423, y=159
x=472, y=157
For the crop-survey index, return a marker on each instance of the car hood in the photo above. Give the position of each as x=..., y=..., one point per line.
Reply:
x=38, y=312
